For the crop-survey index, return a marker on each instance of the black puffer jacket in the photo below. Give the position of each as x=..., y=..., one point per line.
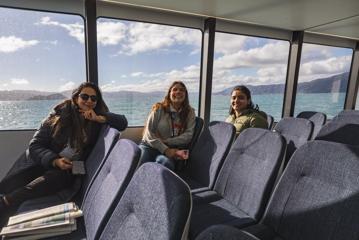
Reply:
x=44, y=148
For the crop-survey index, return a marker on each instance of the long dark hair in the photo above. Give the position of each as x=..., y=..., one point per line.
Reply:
x=66, y=118
x=166, y=103
x=246, y=92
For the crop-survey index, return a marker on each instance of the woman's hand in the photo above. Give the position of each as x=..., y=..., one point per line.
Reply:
x=92, y=116
x=62, y=163
x=171, y=152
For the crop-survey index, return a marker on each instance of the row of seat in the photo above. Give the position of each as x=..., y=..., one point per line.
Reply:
x=119, y=202
x=316, y=197
x=103, y=188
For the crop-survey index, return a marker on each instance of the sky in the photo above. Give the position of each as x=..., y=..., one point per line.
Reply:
x=45, y=51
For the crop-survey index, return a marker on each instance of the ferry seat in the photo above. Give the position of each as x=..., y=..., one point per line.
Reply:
x=270, y=121
x=343, y=128
x=244, y=184
x=106, y=190
x=221, y=232
x=207, y=155
x=317, y=118
x=155, y=206
x=296, y=132
x=107, y=138
x=349, y=113
x=317, y=198
x=197, y=131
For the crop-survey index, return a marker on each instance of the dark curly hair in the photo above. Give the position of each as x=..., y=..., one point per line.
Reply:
x=66, y=118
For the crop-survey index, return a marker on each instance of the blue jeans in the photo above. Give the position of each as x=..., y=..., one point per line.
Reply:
x=149, y=154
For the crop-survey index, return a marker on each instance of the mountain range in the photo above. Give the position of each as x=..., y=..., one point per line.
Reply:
x=336, y=83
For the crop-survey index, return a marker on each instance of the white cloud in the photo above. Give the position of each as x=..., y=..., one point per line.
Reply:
x=67, y=86
x=110, y=33
x=144, y=37
x=229, y=43
x=324, y=68
x=75, y=30
x=313, y=52
x=267, y=55
x=13, y=44
x=159, y=81
x=137, y=74
x=19, y=81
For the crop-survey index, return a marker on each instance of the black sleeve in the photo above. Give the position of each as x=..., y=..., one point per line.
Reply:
x=40, y=146
x=116, y=121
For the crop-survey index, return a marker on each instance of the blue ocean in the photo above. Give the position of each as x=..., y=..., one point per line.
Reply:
x=28, y=114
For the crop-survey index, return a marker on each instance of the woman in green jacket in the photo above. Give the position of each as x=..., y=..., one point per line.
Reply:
x=242, y=113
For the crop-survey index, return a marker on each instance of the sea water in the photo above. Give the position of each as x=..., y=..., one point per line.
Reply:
x=29, y=114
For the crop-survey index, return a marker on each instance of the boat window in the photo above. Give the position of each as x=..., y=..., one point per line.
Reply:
x=42, y=58
x=323, y=79
x=258, y=63
x=138, y=61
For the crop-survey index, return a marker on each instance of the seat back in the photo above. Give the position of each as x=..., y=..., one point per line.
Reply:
x=270, y=120
x=250, y=169
x=156, y=205
x=342, y=129
x=296, y=131
x=109, y=185
x=221, y=232
x=197, y=131
x=317, y=118
x=317, y=196
x=209, y=152
x=349, y=113
x=107, y=139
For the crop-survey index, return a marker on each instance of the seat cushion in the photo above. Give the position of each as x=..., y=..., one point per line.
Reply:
x=217, y=212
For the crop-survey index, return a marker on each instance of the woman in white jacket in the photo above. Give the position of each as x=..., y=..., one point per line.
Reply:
x=169, y=128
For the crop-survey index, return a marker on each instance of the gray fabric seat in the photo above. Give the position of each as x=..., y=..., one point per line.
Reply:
x=317, y=118
x=343, y=128
x=349, y=113
x=317, y=197
x=106, y=190
x=270, y=120
x=224, y=232
x=107, y=138
x=155, y=206
x=296, y=131
x=244, y=183
x=208, y=154
x=197, y=131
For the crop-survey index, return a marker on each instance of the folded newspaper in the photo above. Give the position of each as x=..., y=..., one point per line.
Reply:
x=43, y=223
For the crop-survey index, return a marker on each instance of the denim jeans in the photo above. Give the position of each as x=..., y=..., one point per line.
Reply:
x=149, y=154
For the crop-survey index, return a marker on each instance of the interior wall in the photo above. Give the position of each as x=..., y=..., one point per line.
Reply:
x=12, y=145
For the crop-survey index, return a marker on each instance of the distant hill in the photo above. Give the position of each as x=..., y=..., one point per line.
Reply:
x=336, y=83
x=18, y=95
x=130, y=94
x=55, y=96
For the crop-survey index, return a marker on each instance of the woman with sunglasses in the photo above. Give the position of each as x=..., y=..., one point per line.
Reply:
x=169, y=128
x=68, y=133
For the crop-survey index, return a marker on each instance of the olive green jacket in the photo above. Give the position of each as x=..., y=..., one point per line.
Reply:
x=249, y=118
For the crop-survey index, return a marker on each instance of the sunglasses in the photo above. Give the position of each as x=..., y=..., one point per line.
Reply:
x=86, y=97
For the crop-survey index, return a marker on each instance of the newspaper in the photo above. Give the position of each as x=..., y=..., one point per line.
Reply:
x=58, y=209
x=43, y=223
x=38, y=236
x=66, y=226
